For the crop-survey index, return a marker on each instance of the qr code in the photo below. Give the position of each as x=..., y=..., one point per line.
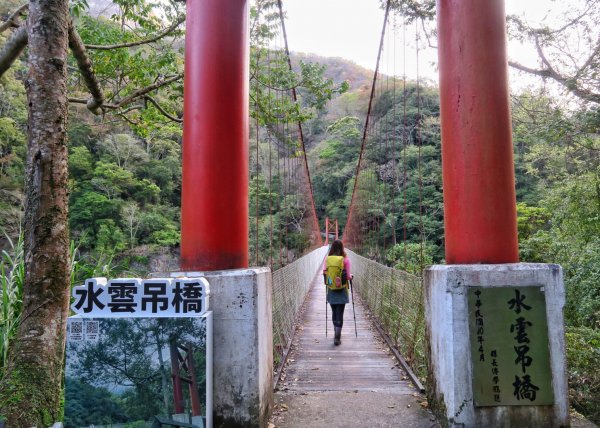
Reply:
x=76, y=330
x=91, y=327
x=92, y=330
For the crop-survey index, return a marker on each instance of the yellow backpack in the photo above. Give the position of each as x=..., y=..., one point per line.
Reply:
x=335, y=274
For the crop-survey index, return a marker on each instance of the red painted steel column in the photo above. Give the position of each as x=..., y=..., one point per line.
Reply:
x=214, y=206
x=193, y=384
x=336, y=230
x=477, y=154
x=176, y=377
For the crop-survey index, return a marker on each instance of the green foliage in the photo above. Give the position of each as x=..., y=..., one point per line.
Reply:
x=142, y=386
x=566, y=231
x=140, y=65
x=530, y=220
x=575, y=206
x=334, y=164
x=125, y=181
x=557, y=173
x=410, y=257
x=86, y=404
x=582, y=279
x=583, y=352
x=12, y=276
x=399, y=192
x=84, y=266
x=316, y=89
x=13, y=126
x=78, y=7
x=110, y=237
x=111, y=175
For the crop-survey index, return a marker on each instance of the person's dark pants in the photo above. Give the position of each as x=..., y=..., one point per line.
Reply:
x=337, y=314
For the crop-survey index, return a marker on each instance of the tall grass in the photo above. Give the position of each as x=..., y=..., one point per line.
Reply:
x=12, y=275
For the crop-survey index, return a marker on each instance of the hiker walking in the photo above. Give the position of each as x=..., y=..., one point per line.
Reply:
x=336, y=274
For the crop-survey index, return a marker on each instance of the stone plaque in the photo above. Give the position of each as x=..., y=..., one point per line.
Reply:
x=509, y=346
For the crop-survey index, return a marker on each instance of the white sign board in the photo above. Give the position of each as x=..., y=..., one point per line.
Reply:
x=136, y=297
x=139, y=350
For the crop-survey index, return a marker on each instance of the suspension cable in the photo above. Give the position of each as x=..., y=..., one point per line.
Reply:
x=366, y=126
x=316, y=229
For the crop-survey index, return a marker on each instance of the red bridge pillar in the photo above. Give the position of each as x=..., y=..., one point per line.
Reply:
x=477, y=155
x=214, y=206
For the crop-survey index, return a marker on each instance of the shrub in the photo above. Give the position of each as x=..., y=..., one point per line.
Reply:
x=583, y=353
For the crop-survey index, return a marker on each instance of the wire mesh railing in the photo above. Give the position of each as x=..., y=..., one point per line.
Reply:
x=395, y=299
x=290, y=287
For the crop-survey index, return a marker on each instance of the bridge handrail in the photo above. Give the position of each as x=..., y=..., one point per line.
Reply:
x=290, y=287
x=395, y=298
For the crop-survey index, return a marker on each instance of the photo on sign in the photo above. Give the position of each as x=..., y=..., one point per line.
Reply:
x=130, y=371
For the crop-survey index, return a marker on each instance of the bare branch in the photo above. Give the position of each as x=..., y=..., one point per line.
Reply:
x=13, y=48
x=97, y=102
x=164, y=113
x=541, y=73
x=540, y=52
x=561, y=50
x=571, y=22
x=570, y=84
x=159, y=36
x=131, y=122
x=427, y=35
x=11, y=21
x=143, y=91
x=523, y=26
x=17, y=42
x=85, y=66
x=131, y=108
x=594, y=55
x=135, y=95
x=78, y=101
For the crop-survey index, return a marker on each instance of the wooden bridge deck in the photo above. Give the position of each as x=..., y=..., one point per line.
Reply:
x=362, y=363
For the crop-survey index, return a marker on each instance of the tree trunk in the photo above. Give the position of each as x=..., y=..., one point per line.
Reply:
x=164, y=379
x=32, y=388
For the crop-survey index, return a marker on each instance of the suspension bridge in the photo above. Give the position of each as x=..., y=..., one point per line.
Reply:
x=269, y=218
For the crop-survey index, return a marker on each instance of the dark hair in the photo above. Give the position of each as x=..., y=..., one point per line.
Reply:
x=337, y=248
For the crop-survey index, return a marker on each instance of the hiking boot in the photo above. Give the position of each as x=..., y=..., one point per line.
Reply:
x=338, y=336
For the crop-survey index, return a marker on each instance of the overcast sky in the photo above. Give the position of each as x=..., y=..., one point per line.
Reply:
x=351, y=29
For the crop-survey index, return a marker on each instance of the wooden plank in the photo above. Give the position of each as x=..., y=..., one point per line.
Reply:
x=362, y=363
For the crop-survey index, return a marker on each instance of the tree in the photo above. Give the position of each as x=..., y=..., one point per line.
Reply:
x=567, y=45
x=86, y=404
x=565, y=42
x=133, y=356
x=557, y=161
x=132, y=222
x=128, y=67
x=124, y=149
x=31, y=389
x=335, y=166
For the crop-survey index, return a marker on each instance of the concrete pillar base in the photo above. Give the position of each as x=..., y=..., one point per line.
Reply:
x=450, y=383
x=241, y=303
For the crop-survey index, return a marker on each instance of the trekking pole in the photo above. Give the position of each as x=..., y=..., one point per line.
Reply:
x=325, y=312
x=353, y=311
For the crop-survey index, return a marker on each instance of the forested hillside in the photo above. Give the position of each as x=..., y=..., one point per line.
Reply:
x=125, y=169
